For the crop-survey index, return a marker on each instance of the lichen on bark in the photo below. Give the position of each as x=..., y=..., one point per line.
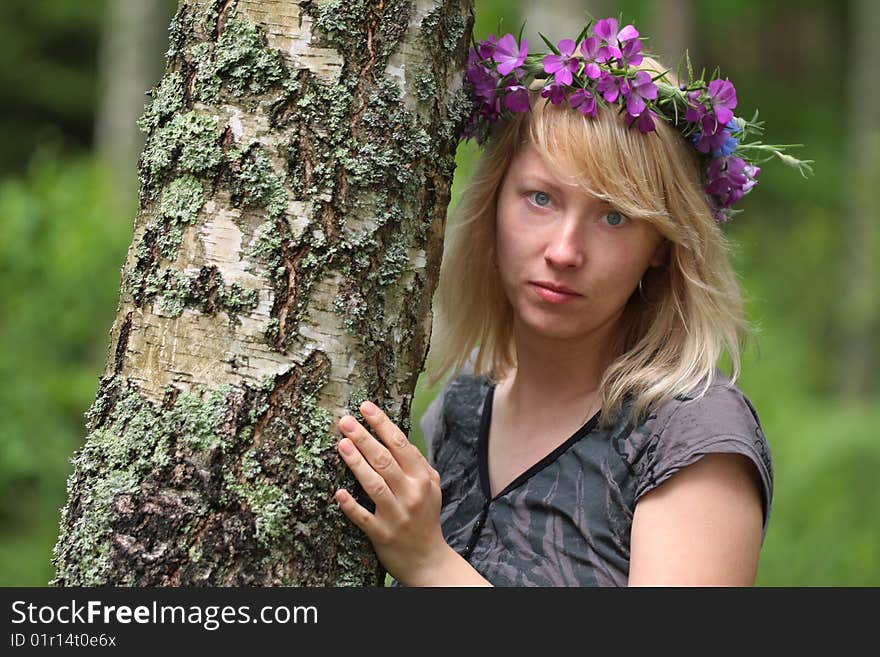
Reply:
x=287, y=243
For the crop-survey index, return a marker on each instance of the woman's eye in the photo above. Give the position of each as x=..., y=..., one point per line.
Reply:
x=614, y=218
x=541, y=199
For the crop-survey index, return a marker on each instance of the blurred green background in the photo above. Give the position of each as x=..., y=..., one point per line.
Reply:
x=72, y=83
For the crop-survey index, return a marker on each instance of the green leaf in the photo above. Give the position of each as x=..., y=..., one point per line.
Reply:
x=549, y=44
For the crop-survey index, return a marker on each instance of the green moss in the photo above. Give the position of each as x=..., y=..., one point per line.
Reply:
x=136, y=441
x=196, y=418
x=235, y=299
x=267, y=246
x=395, y=260
x=353, y=310
x=167, y=99
x=458, y=109
x=257, y=184
x=239, y=62
x=443, y=27
x=169, y=240
x=242, y=59
x=343, y=24
x=206, y=83
x=426, y=87
x=182, y=199
x=113, y=461
x=271, y=508
x=189, y=143
x=174, y=292
x=180, y=31
x=396, y=143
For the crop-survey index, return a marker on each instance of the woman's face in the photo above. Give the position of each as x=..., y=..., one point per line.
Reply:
x=552, y=234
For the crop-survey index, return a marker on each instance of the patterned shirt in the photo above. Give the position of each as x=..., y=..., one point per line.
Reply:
x=566, y=521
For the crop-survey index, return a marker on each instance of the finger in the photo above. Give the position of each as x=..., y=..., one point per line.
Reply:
x=363, y=519
x=391, y=435
x=379, y=458
x=371, y=481
x=435, y=476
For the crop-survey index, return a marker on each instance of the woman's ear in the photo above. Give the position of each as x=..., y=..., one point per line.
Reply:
x=661, y=253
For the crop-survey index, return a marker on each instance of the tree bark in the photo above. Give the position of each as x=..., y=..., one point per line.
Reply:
x=293, y=197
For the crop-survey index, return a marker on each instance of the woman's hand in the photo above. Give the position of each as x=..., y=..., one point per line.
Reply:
x=405, y=527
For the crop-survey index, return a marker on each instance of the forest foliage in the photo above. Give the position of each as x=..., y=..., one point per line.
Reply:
x=63, y=240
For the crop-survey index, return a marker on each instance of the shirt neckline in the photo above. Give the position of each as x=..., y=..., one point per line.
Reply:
x=483, y=450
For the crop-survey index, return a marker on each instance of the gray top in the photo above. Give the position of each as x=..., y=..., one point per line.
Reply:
x=566, y=521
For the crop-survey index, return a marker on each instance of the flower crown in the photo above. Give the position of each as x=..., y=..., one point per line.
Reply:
x=500, y=72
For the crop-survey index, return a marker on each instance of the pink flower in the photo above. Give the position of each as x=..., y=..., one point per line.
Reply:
x=722, y=96
x=562, y=66
x=487, y=47
x=555, y=92
x=609, y=86
x=635, y=92
x=517, y=97
x=508, y=55
x=590, y=49
x=584, y=102
x=606, y=29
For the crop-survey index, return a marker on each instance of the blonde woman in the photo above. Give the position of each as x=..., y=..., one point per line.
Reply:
x=586, y=436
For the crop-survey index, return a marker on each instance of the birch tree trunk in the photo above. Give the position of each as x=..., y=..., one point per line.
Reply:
x=859, y=310
x=560, y=19
x=672, y=33
x=293, y=197
x=131, y=40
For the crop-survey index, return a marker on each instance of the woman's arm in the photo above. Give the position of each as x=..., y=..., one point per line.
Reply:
x=405, y=526
x=701, y=527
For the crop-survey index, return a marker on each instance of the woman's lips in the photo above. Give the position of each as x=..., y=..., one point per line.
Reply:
x=552, y=296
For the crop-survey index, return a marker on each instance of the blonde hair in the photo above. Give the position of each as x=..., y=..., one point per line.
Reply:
x=689, y=311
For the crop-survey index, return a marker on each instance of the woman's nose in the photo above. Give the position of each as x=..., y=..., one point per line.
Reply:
x=565, y=248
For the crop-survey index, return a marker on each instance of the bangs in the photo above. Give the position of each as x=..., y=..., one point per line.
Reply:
x=606, y=158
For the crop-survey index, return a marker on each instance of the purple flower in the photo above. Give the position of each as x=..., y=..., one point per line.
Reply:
x=631, y=53
x=696, y=110
x=646, y=121
x=590, y=49
x=508, y=55
x=562, y=66
x=712, y=137
x=487, y=47
x=517, y=97
x=484, y=80
x=584, y=102
x=722, y=96
x=751, y=172
x=635, y=92
x=609, y=86
x=555, y=92
x=727, y=180
x=718, y=214
x=606, y=29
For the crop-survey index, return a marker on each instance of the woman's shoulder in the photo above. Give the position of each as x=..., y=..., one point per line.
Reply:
x=719, y=408
x=713, y=418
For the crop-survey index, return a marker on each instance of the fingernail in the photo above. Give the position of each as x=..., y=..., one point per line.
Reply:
x=346, y=447
x=348, y=424
x=369, y=408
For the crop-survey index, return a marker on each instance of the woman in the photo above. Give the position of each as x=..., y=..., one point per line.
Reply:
x=587, y=436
